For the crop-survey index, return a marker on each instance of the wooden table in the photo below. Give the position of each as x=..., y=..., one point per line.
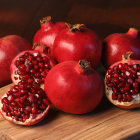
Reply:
x=104, y=17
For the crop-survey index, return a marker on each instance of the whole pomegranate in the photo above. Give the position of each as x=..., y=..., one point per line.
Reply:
x=122, y=82
x=31, y=66
x=76, y=43
x=48, y=32
x=10, y=46
x=74, y=87
x=24, y=104
x=115, y=45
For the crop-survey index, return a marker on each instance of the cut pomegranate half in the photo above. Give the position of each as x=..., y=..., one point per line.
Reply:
x=31, y=67
x=122, y=83
x=24, y=104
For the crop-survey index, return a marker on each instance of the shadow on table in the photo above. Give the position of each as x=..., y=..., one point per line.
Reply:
x=135, y=136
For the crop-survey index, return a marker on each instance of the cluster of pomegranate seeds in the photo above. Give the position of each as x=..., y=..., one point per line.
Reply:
x=124, y=80
x=32, y=68
x=24, y=101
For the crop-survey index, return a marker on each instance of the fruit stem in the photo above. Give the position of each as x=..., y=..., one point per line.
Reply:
x=127, y=55
x=133, y=32
x=41, y=48
x=83, y=66
x=45, y=20
x=75, y=27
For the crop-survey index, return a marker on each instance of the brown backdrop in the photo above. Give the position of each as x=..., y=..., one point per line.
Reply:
x=103, y=16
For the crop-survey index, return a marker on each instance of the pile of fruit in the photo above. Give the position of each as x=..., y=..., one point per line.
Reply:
x=59, y=70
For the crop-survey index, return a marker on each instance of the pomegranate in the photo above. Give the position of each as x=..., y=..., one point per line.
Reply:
x=115, y=45
x=49, y=30
x=31, y=66
x=74, y=87
x=24, y=104
x=76, y=43
x=10, y=46
x=122, y=82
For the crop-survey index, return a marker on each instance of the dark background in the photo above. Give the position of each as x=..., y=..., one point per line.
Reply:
x=22, y=17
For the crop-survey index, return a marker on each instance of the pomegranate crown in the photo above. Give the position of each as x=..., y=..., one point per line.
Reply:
x=44, y=20
x=75, y=27
x=84, y=64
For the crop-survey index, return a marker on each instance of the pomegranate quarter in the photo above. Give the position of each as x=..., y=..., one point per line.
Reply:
x=31, y=67
x=24, y=104
x=74, y=87
x=122, y=83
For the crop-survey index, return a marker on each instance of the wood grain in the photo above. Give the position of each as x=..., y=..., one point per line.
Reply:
x=104, y=17
x=106, y=122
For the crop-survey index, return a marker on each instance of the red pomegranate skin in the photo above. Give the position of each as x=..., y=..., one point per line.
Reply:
x=10, y=46
x=72, y=90
x=48, y=32
x=115, y=45
x=77, y=45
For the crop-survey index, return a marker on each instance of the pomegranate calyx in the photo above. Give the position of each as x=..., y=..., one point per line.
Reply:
x=75, y=27
x=41, y=47
x=84, y=64
x=45, y=20
x=133, y=32
x=127, y=56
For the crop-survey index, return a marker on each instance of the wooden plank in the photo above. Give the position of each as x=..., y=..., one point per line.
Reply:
x=106, y=122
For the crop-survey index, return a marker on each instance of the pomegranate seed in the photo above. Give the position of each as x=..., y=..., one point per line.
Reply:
x=124, y=98
x=30, y=80
x=41, y=65
x=16, y=78
x=45, y=59
x=116, y=81
x=46, y=65
x=9, y=93
x=5, y=100
x=119, y=98
x=108, y=78
x=121, y=79
x=28, y=108
x=132, y=92
x=26, y=54
x=39, y=58
x=37, y=74
x=130, y=81
x=125, y=66
x=122, y=91
x=114, y=97
x=34, y=62
x=34, y=110
x=116, y=75
x=10, y=98
x=30, y=58
x=120, y=85
x=129, y=98
x=120, y=66
x=110, y=85
x=36, y=67
x=45, y=101
x=32, y=71
x=135, y=84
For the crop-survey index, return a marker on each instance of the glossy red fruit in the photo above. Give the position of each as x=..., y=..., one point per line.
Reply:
x=10, y=46
x=77, y=42
x=74, y=87
x=115, y=45
x=47, y=33
x=24, y=104
x=122, y=83
x=31, y=66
